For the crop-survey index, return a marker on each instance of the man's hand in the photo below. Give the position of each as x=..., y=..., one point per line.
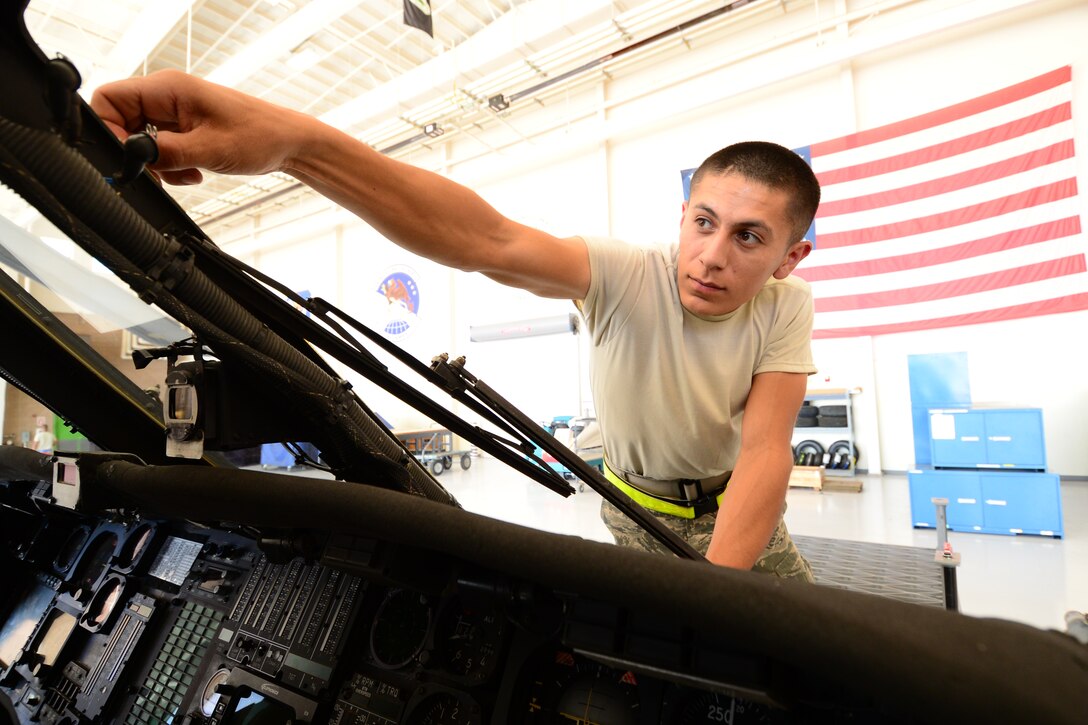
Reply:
x=201, y=125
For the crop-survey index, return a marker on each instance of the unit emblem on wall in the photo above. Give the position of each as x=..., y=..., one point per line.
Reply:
x=401, y=294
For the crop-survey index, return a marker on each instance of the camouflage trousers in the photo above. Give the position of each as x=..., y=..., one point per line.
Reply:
x=780, y=558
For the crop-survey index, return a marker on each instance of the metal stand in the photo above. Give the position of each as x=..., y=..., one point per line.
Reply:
x=946, y=557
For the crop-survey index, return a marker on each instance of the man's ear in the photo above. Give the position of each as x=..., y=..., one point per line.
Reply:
x=683, y=210
x=797, y=252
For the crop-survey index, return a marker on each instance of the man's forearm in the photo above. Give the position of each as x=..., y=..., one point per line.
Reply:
x=419, y=210
x=750, y=508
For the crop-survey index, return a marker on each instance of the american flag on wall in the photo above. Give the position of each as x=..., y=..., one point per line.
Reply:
x=964, y=215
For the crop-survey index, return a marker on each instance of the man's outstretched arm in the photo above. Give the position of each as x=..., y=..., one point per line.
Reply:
x=205, y=126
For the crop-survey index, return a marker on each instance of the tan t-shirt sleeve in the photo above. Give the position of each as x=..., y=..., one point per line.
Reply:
x=789, y=347
x=611, y=295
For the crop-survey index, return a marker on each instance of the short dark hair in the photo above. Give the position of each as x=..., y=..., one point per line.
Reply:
x=775, y=166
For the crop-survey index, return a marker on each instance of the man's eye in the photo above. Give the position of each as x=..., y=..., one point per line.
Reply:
x=702, y=222
x=748, y=238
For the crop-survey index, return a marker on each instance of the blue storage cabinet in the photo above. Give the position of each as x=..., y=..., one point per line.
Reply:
x=964, y=494
x=937, y=380
x=988, y=502
x=990, y=463
x=957, y=438
x=987, y=438
x=1014, y=439
x=1022, y=503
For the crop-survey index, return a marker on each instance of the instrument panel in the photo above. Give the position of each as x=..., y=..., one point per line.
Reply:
x=390, y=609
x=155, y=621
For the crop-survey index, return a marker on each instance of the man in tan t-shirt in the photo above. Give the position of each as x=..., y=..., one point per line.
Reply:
x=743, y=225
x=653, y=363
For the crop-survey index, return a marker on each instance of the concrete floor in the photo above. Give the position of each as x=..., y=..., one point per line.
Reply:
x=1028, y=579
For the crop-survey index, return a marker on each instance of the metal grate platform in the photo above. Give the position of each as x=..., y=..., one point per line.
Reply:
x=905, y=573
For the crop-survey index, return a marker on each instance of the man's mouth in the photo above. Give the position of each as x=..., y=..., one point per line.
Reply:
x=706, y=285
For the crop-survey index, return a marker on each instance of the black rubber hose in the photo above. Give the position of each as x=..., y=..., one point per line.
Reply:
x=22, y=464
x=81, y=189
x=83, y=192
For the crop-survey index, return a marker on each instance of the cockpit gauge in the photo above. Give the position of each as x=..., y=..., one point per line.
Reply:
x=468, y=639
x=445, y=708
x=567, y=687
x=704, y=708
x=400, y=628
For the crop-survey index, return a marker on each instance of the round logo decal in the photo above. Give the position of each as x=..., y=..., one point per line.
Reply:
x=401, y=294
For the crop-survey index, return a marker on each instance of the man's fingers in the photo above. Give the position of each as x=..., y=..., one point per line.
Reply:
x=170, y=154
x=119, y=106
x=116, y=130
x=170, y=158
x=132, y=103
x=127, y=106
x=176, y=163
x=202, y=147
x=181, y=177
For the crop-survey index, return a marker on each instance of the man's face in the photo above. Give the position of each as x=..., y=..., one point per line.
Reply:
x=734, y=235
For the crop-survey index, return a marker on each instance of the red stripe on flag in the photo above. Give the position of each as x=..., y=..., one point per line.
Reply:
x=995, y=207
x=1049, y=269
x=915, y=260
x=951, y=113
x=972, y=142
x=1071, y=303
x=998, y=170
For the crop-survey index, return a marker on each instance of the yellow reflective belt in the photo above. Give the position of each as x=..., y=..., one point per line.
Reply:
x=651, y=502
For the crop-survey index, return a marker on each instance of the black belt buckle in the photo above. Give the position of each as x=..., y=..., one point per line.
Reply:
x=691, y=489
x=705, y=505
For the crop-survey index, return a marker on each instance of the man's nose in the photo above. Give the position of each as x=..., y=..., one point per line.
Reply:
x=716, y=253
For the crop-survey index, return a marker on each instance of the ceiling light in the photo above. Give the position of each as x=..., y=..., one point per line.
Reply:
x=290, y=31
x=302, y=60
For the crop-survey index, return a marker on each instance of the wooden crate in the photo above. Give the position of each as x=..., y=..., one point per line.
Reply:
x=807, y=477
x=849, y=485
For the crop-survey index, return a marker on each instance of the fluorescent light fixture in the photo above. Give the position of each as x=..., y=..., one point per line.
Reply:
x=524, y=328
x=148, y=28
x=289, y=32
x=304, y=59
